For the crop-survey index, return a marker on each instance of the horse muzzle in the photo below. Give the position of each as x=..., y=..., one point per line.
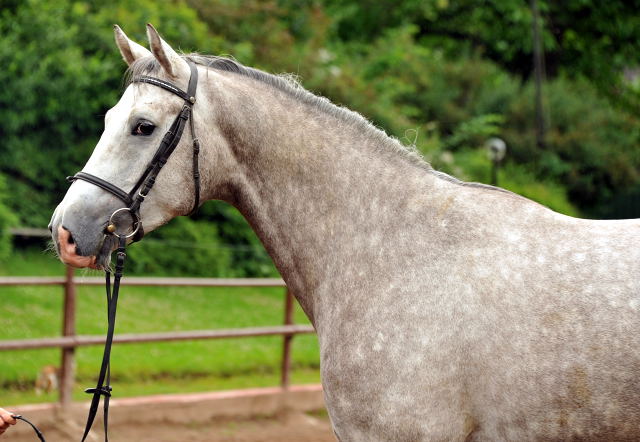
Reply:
x=68, y=251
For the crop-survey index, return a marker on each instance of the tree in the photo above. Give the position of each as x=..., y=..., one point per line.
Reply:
x=595, y=39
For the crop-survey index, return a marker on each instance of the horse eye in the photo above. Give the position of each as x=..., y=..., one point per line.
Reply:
x=143, y=128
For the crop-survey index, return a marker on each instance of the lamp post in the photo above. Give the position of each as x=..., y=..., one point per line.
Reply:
x=497, y=149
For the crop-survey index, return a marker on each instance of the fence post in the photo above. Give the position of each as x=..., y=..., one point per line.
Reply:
x=67, y=369
x=286, y=343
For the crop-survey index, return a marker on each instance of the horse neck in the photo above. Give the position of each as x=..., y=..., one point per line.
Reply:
x=317, y=190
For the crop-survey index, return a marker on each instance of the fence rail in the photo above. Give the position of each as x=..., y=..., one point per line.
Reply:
x=69, y=340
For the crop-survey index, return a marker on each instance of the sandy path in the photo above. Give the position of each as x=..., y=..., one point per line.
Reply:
x=297, y=427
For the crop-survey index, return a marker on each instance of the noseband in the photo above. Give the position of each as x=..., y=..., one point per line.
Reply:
x=134, y=198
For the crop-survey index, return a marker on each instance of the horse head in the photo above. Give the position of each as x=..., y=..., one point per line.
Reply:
x=99, y=201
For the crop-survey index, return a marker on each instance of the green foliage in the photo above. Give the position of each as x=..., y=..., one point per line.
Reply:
x=597, y=40
x=441, y=75
x=475, y=131
x=218, y=244
x=458, y=104
x=7, y=220
x=61, y=72
x=248, y=258
x=45, y=106
x=195, y=250
x=592, y=148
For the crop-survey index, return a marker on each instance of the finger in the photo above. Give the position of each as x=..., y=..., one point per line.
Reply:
x=7, y=417
x=6, y=420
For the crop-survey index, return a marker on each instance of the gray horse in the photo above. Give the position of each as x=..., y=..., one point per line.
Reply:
x=444, y=310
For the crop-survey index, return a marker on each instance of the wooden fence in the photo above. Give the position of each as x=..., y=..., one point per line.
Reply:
x=69, y=340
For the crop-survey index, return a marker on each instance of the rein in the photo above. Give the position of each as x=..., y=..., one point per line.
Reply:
x=133, y=199
x=103, y=386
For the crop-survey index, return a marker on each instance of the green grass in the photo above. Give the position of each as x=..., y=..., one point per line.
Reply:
x=203, y=365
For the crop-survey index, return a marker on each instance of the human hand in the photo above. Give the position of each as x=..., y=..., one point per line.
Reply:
x=6, y=419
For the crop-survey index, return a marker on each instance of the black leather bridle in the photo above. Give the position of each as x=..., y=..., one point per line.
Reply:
x=132, y=200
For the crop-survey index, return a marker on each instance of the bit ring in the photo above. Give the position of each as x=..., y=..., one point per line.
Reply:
x=111, y=226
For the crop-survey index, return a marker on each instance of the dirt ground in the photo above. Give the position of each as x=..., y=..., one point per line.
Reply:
x=295, y=427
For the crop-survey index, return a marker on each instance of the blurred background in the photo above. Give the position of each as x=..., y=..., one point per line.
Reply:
x=558, y=83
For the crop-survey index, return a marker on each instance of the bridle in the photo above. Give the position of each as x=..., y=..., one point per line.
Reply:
x=132, y=200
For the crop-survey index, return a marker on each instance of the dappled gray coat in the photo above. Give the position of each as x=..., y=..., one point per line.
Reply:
x=444, y=310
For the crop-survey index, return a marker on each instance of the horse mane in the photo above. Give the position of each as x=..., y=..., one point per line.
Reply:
x=290, y=85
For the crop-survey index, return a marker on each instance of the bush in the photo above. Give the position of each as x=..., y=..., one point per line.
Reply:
x=591, y=148
x=219, y=243
x=7, y=220
x=436, y=91
x=182, y=247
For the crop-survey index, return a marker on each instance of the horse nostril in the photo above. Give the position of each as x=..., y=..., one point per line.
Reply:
x=70, y=237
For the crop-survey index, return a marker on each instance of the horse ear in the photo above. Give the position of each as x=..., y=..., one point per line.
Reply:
x=169, y=59
x=129, y=49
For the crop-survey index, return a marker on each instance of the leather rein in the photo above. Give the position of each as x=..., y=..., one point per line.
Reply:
x=133, y=199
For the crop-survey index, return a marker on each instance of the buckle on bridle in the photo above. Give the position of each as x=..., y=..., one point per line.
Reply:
x=105, y=390
x=112, y=228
